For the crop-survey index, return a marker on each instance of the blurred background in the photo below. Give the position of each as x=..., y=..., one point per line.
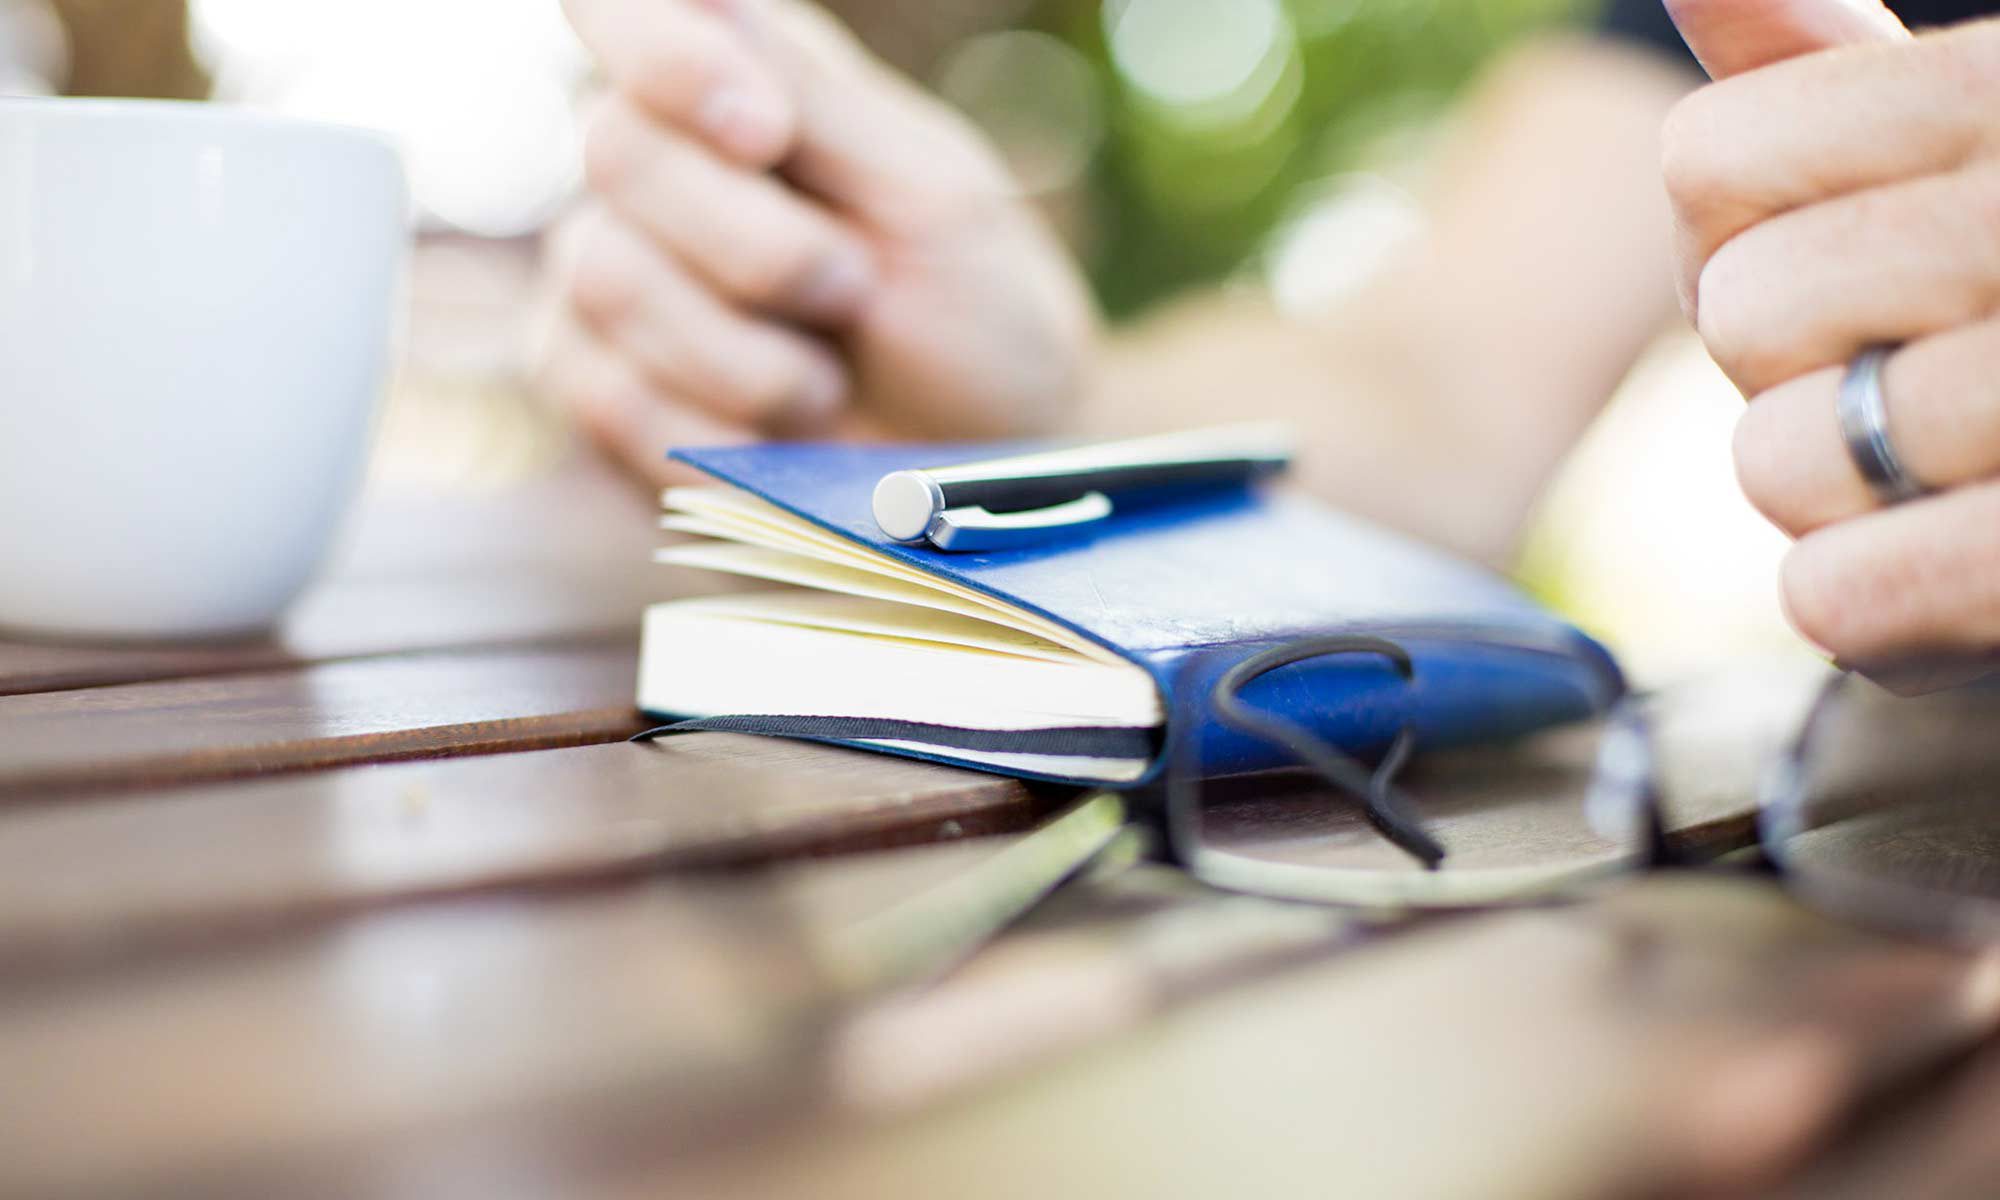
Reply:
x=1264, y=144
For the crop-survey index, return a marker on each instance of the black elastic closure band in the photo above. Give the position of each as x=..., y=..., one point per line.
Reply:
x=1382, y=804
x=1070, y=741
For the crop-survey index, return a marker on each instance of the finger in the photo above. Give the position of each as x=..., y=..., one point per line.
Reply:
x=761, y=243
x=869, y=140
x=739, y=369
x=625, y=414
x=1918, y=579
x=1812, y=288
x=1824, y=126
x=690, y=64
x=1734, y=36
x=1943, y=400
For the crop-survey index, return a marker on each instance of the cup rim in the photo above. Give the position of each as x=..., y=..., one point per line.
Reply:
x=191, y=113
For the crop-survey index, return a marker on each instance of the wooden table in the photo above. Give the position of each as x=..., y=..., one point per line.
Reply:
x=386, y=904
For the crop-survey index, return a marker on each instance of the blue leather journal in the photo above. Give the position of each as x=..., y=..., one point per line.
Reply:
x=1166, y=595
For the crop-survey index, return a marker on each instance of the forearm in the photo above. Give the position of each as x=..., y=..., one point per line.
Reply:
x=1441, y=398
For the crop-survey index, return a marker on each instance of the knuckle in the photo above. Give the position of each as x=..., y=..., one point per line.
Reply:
x=775, y=379
x=1743, y=314
x=567, y=387
x=1688, y=160
x=603, y=403
x=671, y=67
x=1976, y=376
x=606, y=276
x=1818, y=602
x=766, y=383
x=560, y=242
x=660, y=59
x=1985, y=205
x=1967, y=58
x=1862, y=597
x=1983, y=45
x=775, y=270
x=1720, y=319
x=1680, y=152
x=566, y=379
x=614, y=150
x=602, y=429
x=1761, y=460
x=593, y=412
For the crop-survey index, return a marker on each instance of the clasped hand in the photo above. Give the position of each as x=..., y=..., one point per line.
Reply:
x=785, y=238
x=1827, y=203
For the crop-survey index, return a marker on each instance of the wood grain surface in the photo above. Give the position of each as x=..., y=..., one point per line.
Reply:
x=679, y=1038
x=1938, y=1145
x=204, y=862
x=359, y=618
x=1685, y=1034
x=676, y=1012
x=562, y=558
x=211, y=860
x=169, y=1077
x=248, y=948
x=59, y=745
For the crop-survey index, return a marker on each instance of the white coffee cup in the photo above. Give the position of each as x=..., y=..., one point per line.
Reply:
x=197, y=306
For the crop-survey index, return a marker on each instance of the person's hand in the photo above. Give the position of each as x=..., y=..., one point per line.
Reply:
x=783, y=238
x=1828, y=203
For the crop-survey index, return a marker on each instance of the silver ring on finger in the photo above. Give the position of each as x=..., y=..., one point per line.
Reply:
x=1864, y=426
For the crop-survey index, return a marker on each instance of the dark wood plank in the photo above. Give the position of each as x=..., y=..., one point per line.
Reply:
x=205, y=862
x=668, y=1040
x=356, y=619
x=62, y=744
x=678, y=1012
x=1685, y=1031
x=562, y=557
x=160, y=1079
x=1124, y=944
x=1936, y=1144
x=362, y=618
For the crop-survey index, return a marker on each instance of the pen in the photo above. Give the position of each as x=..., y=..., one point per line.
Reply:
x=1027, y=498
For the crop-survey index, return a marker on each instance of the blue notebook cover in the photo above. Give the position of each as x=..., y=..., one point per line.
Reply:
x=1187, y=587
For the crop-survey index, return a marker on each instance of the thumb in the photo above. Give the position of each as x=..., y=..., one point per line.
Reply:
x=1734, y=36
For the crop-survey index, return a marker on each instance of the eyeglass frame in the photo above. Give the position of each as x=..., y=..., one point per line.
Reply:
x=1624, y=790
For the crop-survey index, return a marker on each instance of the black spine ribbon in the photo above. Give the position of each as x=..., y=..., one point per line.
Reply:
x=1078, y=741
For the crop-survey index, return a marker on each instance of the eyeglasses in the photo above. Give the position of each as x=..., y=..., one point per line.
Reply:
x=1886, y=807
x=1882, y=808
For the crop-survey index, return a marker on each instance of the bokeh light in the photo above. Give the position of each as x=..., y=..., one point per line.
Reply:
x=1201, y=71
x=477, y=92
x=1036, y=97
x=1338, y=241
x=34, y=50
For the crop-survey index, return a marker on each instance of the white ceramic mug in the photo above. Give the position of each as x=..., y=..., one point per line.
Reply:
x=197, y=306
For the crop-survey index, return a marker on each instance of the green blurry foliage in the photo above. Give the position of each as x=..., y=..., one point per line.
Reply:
x=1183, y=194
